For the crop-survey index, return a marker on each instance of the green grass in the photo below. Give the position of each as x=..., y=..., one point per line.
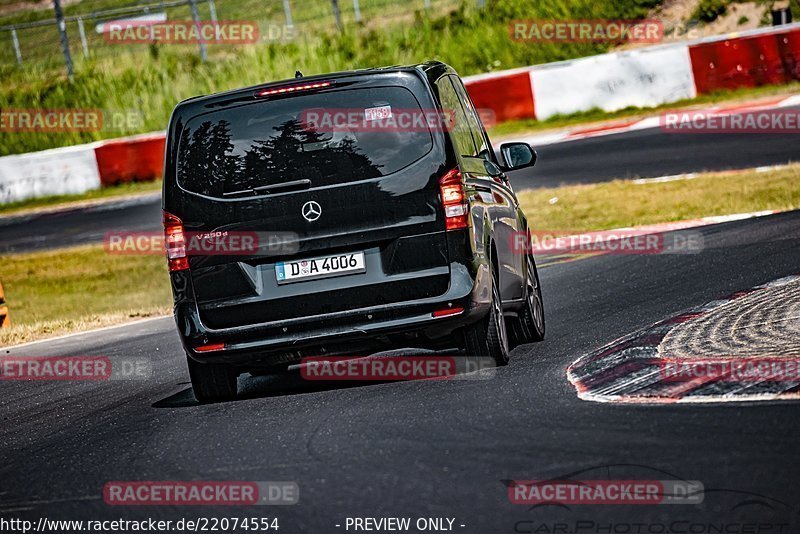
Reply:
x=152, y=79
x=133, y=188
x=623, y=203
x=710, y=10
x=51, y=293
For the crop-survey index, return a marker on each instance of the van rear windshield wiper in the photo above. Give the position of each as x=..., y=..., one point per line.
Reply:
x=295, y=185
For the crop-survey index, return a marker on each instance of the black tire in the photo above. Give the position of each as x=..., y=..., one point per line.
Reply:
x=488, y=337
x=212, y=381
x=530, y=326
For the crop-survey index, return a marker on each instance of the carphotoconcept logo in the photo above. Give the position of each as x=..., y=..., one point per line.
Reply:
x=571, y=503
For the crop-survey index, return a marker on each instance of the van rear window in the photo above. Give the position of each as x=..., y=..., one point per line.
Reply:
x=307, y=140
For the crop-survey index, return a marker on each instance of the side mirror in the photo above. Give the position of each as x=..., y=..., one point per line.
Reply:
x=518, y=155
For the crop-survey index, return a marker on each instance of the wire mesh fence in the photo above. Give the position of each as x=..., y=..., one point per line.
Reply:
x=32, y=39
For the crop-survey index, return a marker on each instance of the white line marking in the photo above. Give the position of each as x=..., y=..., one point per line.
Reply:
x=662, y=179
x=716, y=219
x=793, y=100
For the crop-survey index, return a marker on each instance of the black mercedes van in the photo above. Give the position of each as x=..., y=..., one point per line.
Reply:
x=357, y=212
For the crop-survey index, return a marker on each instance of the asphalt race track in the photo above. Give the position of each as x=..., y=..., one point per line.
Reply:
x=641, y=153
x=32, y=232
x=429, y=448
x=651, y=153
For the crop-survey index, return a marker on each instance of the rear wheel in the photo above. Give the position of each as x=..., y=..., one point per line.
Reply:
x=488, y=337
x=530, y=326
x=212, y=381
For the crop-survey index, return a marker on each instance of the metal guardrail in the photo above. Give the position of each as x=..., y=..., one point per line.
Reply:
x=60, y=23
x=97, y=15
x=43, y=42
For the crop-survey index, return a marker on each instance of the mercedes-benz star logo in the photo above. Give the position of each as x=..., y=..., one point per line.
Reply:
x=311, y=211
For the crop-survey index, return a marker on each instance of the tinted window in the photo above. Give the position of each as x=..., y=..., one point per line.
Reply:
x=459, y=129
x=228, y=153
x=472, y=118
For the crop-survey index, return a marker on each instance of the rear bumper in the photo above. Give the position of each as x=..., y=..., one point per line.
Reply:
x=283, y=341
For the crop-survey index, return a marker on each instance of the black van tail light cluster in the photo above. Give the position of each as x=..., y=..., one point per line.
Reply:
x=454, y=201
x=175, y=243
x=291, y=89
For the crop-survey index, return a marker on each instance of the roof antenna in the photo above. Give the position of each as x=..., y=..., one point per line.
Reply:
x=298, y=74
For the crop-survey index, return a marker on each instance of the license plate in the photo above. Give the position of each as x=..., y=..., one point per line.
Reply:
x=325, y=267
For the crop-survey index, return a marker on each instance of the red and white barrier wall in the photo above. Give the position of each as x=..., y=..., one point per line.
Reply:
x=643, y=77
x=60, y=171
x=131, y=159
x=77, y=169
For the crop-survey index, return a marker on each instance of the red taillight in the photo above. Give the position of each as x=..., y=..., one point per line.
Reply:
x=175, y=243
x=447, y=311
x=454, y=201
x=291, y=89
x=212, y=347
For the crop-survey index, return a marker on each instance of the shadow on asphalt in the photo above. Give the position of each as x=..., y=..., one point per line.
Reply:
x=263, y=386
x=291, y=382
